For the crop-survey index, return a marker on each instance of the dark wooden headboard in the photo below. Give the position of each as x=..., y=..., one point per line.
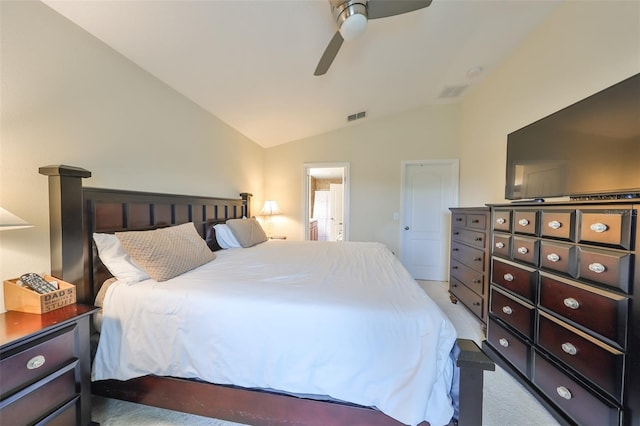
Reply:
x=76, y=213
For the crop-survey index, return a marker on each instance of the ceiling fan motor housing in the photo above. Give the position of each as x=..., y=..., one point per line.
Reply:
x=351, y=17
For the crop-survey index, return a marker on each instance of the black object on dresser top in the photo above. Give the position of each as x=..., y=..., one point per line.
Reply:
x=45, y=367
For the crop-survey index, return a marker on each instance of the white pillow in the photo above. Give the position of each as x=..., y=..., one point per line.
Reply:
x=225, y=237
x=116, y=259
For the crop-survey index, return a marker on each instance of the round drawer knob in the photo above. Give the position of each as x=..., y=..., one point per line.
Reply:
x=508, y=277
x=36, y=362
x=598, y=268
x=569, y=348
x=598, y=227
x=553, y=257
x=500, y=245
x=504, y=342
x=554, y=224
x=571, y=303
x=523, y=222
x=507, y=310
x=501, y=221
x=563, y=392
x=523, y=250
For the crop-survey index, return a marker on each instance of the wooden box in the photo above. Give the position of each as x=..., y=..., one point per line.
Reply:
x=17, y=298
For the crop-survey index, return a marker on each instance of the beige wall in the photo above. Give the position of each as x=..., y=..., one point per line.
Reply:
x=581, y=49
x=69, y=99
x=374, y=150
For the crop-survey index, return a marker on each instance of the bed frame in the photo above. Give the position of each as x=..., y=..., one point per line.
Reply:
x=77, y=212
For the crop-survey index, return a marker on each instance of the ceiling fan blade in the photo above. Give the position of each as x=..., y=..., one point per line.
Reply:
x=329, y=54
x=383, y=8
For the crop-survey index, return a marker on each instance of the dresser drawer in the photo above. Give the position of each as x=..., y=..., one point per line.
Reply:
x=515, y=313
x=525, y=222
x=511, y=347
x=502, y=245
x=558, y=224
x=611, y=227
x=607, y=267
x=476, y=221
x=519, y=279
x=30, y=362
x=472, y=257
x=502, y=220
x=584, y=407
x=601, y=365
x=28, y=406
x=526, y=250
x=558, y=257
x=470, y=277
x=578, y=303
x=468, y=236
x=470, y=299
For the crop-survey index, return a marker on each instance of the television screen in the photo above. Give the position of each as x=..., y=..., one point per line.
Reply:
x=591, y=148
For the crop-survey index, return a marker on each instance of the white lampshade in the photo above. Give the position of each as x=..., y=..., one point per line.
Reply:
x=270, y=208
x=9, y=221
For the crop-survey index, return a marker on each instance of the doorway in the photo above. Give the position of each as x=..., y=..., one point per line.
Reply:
x=429, y=188
x=326, y=201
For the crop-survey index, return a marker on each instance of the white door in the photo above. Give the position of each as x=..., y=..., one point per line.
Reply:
x=429, y=189
x=337, y=211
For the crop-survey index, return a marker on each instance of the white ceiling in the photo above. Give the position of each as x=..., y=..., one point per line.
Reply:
x=251, y=62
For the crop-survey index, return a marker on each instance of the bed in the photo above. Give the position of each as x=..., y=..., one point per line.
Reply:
x=77, y=213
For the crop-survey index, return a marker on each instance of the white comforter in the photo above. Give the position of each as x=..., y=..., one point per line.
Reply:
x=338, y=319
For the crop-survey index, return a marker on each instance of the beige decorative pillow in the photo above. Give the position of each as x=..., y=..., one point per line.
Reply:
x=167, y=252
x=248, y=232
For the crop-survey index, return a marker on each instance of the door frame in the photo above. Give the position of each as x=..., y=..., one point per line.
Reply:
x=454, y=164
x=306, y=195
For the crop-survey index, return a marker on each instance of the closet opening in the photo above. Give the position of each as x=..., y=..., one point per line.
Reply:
x=326, y=201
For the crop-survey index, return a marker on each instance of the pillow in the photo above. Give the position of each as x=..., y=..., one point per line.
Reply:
x=248, y=232
x=211, y=240
x=167, y=252
x=225, y=237
x=99, y=302
x=117, y=260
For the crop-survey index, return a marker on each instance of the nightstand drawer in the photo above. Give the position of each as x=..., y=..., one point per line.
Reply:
x=29, y=405
x=36, y=359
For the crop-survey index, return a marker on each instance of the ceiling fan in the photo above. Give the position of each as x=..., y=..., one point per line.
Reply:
x=351, y=18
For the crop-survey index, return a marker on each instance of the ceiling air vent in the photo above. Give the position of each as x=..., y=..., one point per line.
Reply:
x=357, y=116
x=452, y=91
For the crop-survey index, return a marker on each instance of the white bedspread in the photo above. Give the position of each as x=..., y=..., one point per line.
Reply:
x=342, y=319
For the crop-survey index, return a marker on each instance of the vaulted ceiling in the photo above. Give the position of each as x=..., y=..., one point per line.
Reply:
x=251, y=62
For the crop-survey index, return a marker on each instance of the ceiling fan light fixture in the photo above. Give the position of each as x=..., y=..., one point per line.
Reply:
x=352, y=20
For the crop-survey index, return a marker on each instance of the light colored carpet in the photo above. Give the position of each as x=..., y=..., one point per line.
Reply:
x=506, y=402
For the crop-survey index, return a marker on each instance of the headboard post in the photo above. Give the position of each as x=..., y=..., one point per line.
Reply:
x=246, y=202
x=65, y=217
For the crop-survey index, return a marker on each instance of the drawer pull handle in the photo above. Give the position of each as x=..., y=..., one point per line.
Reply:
x=563, y=392
x=523, y=250
x=504, y=342
x=36, y=362
x=456, y=233
x=523, y=222
x=459, y=219
x=554, y=224
x=598, y=227
x=500, y=245
x=598, y=268
x=507, y=310
x=478, y=238
x=508, y=277
x=553, y=257
x=501, y=221
x=571, y=303
x=569, y=348
x=477, y=259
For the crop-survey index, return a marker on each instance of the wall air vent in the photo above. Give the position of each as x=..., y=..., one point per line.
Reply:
x=357, y=116
x=452, y=91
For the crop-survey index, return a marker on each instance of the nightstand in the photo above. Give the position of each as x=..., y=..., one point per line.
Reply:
x=278, y=237
x=45, y=367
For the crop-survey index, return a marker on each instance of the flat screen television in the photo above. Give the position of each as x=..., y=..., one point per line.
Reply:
x=590, y=149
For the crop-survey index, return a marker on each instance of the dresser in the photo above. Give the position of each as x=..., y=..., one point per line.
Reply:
x=469, y=261
x=562, y=317
x=45, y=367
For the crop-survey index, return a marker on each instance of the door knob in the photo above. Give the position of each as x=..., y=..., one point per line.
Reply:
x=406, y=228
